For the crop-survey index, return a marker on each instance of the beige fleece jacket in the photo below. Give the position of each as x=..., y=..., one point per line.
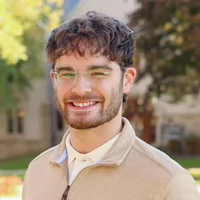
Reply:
x=131, y=170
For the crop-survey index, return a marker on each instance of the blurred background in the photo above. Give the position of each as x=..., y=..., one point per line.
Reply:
x=164, y=103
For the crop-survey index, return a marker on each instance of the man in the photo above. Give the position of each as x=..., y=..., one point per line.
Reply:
x=100, y=157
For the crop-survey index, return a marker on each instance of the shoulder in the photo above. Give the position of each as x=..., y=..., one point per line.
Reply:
x=162, y=173
x=42, y=160
x=39, y=165
x=182, y=186
x=156, y=158
x=44, y=155
x=152, y=164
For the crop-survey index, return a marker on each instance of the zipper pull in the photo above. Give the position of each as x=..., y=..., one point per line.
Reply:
x=64, y=196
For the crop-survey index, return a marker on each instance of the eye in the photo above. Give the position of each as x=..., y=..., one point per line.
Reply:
x=66, y=74
x=98, y=73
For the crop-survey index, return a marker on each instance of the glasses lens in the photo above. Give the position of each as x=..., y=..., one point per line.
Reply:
x=100, y=72
x=68, y=74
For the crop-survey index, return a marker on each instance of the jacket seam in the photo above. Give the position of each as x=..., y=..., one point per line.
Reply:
x=168, y=185
x=154, y=161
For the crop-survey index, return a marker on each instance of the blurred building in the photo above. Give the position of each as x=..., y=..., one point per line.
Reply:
x=164, y=122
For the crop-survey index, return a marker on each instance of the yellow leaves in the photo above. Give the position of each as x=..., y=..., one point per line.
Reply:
x=11, y=27
x=26, y=9
x=46, y=9
x=179, y=40
x=54, y=20
x=58, y=2
x=17, y=17
x=176, y=39
x=12, y=49
x=11, y=31
x=179, y=28
x=167, y=26
x=55, y=16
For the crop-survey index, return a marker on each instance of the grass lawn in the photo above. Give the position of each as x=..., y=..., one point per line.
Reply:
x=190, y=162
x=17, y=163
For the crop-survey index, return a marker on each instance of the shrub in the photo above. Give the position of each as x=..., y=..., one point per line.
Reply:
x=9, y=185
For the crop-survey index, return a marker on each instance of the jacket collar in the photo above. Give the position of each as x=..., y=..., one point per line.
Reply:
x=59, y=155
x=115, y=155
x=121, y=147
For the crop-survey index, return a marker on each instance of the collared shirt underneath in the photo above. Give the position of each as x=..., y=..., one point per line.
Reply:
x=78, y=161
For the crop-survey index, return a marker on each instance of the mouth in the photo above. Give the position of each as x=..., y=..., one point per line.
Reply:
x=83, y=104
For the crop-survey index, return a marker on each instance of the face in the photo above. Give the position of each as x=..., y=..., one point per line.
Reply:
x=88, y=103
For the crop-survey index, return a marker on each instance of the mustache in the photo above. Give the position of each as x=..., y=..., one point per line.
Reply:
x=73, y=98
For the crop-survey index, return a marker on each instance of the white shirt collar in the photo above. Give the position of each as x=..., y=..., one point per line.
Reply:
x=95, y=156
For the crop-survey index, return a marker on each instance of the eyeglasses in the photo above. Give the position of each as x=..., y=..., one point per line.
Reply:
x=69, y=75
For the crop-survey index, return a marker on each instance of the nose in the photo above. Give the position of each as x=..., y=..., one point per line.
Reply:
x=81, y=86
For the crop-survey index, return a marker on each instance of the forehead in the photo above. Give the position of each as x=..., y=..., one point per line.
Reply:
x=83, y=62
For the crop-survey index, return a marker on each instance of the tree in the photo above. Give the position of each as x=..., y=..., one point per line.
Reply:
x=168, y=37
x=23, y=28
x=17, y=17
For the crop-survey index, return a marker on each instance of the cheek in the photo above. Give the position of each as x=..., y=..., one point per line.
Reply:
x=60, y=92
x=106, y=90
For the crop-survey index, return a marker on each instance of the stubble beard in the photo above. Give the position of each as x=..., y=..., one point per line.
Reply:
x=100, y=118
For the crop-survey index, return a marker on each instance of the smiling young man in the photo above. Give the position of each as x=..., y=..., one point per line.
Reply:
x=100, y=157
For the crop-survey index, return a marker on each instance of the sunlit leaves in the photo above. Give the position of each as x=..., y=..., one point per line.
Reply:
x=23, y=27
x=17, y=17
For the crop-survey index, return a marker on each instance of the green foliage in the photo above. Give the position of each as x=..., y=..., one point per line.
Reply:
x=15, y=80
x=18, y=17
x=169, y=38
x=23, y=28
x=12, y=81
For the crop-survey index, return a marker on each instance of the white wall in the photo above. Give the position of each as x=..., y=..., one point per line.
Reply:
x=115, y=8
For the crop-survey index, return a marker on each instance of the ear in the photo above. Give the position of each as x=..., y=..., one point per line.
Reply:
x=129, y=77
x=53, y=79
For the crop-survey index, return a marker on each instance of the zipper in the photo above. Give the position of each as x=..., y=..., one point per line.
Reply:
x=65, y=194
x=93, y=166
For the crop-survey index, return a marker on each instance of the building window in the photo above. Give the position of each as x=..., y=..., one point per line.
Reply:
x=15, y=121
x=10, y=122
x=20, y=121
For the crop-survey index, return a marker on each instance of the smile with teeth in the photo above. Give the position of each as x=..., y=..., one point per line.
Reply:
x=85, y=104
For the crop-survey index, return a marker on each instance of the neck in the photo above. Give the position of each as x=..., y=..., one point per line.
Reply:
x=85, y=141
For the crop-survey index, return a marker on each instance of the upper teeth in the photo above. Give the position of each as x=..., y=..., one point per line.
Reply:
x=84, y=104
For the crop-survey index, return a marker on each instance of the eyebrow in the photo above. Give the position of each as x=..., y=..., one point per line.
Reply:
x=64, y=68
x=93, y=67
x=100, y=67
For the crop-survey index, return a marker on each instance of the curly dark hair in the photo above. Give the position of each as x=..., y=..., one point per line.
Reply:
x=95, y=32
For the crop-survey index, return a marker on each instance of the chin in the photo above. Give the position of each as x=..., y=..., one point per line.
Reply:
x=83, y=125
